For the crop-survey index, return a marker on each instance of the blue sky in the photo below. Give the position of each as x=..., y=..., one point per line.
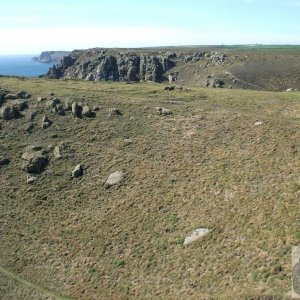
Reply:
x=33, y=26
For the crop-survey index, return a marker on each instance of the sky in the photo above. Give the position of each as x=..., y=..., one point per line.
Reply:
x=33, y=26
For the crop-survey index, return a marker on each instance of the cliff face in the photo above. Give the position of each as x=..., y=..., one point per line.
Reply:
x=98, y=65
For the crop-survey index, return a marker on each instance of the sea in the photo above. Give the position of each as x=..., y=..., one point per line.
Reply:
x=22, y=65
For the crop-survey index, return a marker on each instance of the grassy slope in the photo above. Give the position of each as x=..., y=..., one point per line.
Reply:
x=271, y=69
x=206, y=165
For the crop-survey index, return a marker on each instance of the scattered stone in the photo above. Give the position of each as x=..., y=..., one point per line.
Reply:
x=31, y=179
x=68, y=104
x=76, y=110
x=163, y=111
x=57, y=152
x=8, y=112
x=21, y=104
x=290, y=90
x=4, y=161
x=196, y=235
x=77, y=172
x=23, y=95
x=128, y=142
x=35, y=160
x=29, y=128
x=114, y=112
x=46, y=122
x=87, y=112
x=59, y=109
x=213, y=82
x=115, y=178
x=53, y=102
x=169, y=88
x=258, y=123
x=96, y=108
x=41, y=99
x=32, y=116
x=10, y=97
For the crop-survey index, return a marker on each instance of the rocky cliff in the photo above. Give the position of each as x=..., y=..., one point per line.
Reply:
x=106, y=64
x=51, y=56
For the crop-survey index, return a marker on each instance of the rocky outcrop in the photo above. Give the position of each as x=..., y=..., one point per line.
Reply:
x=99, y=65
x=51, y=56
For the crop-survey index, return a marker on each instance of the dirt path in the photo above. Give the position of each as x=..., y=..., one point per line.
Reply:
x=243, y=81
x=31, y=285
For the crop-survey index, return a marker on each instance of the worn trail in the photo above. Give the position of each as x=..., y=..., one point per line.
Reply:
x=34, y=286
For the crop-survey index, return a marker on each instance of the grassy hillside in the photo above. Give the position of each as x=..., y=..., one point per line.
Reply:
x=209, y=164
x=257, y=68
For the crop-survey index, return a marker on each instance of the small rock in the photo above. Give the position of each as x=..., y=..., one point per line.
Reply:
x=76, y=110
x=290, y=90
x=29, y=128
x=46, y=122
x=31, y=179
x=53, y=102
x=60, y=109
x=96, y=108
x=77, y=172
x=115, y=178
x=87, y=112
x=8, y=112
x=196, y=235
x=41, y=99
x=23, y=95
x=163, y=111
x=10, y=97
x=114, y=112
x=4, y=161
x=36, y=160
x=68, y=104
x=169, y=88
x=258, y=123
x=21, y=104
x=128, y=142
x=32, y=116
x=57, y=152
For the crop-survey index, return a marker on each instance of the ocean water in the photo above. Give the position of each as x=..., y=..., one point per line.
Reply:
x=22, y=65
